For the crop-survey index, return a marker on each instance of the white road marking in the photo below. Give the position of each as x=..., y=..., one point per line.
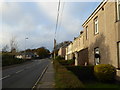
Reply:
x=19, y=71
x=28, y=68
x=5, y=77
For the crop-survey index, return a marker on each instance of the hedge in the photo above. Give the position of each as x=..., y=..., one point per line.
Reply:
x=8, y=59
x=83, y=72
x=59, y=58
x=67, y=62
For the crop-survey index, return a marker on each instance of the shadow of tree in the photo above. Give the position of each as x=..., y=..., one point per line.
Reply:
x=103, y=48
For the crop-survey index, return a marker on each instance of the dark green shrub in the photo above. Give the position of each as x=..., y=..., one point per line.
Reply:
x=71, y=62
x=59, y=58
x=83, y=72
x=67, y=62
x=63, y=62
x=105, y=72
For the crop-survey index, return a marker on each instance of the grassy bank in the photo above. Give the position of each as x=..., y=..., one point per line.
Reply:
x=97, y=84
x=87, y=77
x=69, y=76
x=65, y=78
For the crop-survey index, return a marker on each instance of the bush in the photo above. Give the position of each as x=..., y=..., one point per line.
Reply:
x=71, y=62
x=105, y=72
x=67, y=62
x=65, y=78
x=83, y=72
x=58, y=58
x=63, y=62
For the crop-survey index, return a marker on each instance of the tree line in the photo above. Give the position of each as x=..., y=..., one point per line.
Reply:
x=9, y=53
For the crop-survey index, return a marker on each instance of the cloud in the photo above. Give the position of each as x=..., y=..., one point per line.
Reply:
x=11, y=12
x=16, y=22
x=70, y=24
x=72, y=17
x=49, y=9
x=38, y=24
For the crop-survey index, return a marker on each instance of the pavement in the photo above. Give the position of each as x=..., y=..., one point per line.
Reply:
x=47, y=81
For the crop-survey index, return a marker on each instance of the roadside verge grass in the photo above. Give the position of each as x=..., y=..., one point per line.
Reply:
x=65, y=78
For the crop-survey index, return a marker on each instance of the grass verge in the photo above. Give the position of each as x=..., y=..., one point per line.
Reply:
x=65, y=78
x=101, y=85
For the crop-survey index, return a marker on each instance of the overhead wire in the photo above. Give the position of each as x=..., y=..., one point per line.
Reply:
x=56, y=26
x=60, y=21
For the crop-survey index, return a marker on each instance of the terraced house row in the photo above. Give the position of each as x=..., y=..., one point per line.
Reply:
x=99, y=42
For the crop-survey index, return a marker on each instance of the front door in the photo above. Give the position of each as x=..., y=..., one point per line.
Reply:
x=97, y=56
x=119, y=54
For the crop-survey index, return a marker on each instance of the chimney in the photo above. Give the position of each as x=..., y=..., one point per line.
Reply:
x=81, y=32
x=74, y=38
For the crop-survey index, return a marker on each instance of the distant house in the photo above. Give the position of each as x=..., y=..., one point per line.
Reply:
x=62, y=49
x=27, y=55
x=19, y=56
x=36, y=55
x=62, y=52
x=69, y=53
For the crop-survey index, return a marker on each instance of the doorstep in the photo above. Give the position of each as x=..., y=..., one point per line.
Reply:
x=118, y=75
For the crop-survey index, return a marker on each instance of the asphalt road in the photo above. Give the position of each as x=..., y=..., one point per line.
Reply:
x=23, y=76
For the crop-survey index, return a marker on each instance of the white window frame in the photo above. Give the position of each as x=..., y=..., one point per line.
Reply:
x=118, y=9
x=96, y=25
x=86, y=32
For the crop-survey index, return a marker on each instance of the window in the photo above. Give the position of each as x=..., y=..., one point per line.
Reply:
x=86, y=32
x=96, y=25
x=118, y=9
x=97, y=56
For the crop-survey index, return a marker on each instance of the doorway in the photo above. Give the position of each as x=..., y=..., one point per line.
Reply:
x=97, y=56
x=118, y=54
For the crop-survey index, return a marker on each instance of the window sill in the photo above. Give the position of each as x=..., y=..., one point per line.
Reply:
x=96, y=33
x=117, y=21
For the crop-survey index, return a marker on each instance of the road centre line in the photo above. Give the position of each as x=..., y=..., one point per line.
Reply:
x=5, y=77
x=15, y=72
x=19, y=71
x=9, y=75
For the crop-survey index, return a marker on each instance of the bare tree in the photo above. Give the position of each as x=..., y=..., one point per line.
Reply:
x=5, y=48
x=13, y=45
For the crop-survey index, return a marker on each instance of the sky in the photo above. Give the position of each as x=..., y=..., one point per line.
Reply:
x=36, y=21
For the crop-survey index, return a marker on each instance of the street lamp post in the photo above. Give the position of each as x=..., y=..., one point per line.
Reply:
x=25, y=47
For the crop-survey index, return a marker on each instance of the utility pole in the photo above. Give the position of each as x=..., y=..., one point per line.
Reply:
x=54, y=47
x=57, y=19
